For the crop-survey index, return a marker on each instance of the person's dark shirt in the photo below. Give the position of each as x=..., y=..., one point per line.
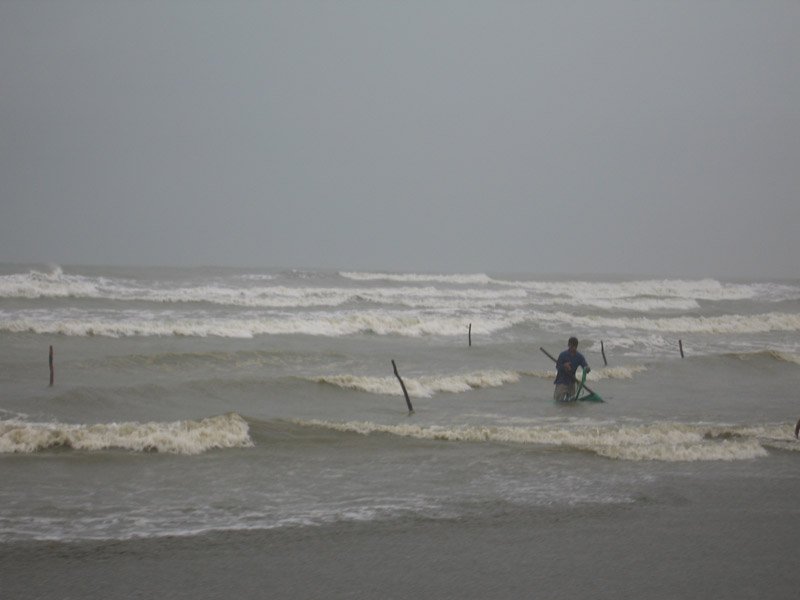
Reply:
x=576, y=360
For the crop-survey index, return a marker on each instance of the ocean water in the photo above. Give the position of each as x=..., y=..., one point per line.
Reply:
x=192, y=401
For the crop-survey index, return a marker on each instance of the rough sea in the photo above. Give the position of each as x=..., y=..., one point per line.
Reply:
x=204, y=403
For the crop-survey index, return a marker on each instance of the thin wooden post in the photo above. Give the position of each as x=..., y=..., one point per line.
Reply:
x=603, y=352
x=680, y=346
x=403, y=385
x=469, y=334
x=797, y=429
x=52, y=373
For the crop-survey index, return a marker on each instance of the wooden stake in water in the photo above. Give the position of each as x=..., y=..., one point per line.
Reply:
x=680, y=346
x=52, y=373
x=403, y=385
x=469, y=334
x=603, y=352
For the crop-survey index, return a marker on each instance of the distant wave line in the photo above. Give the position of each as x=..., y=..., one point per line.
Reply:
x=625, y=295
x=760, y=323
x=138, y=323
x=477, y=278
x=308, y=297
x=698, y=289
x=77, y=322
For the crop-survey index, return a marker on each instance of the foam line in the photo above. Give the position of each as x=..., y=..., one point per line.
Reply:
x=180, y=437
x=669, y=442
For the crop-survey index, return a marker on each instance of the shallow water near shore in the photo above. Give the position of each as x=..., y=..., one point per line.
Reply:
x=680, y=537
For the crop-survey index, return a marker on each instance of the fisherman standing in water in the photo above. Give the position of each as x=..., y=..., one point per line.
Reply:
x=566, y=365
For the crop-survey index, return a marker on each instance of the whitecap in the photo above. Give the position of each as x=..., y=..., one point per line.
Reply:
x=669, y=442
x=180, y=437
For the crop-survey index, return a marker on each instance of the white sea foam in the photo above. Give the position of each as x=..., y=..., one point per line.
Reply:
x=671, y=442
x=257, y=277
x=648, y=294
x=623, y=372
x=735, y=323
x=80, y=322
x=180, y=437
x=633, y=304
x=438, y=291
x=470, y=279
x=120, y=323
x=58, y=285
x=437, y=306
x=596, y=374
x=54, y=284
x=424, y=386
x=703, y=289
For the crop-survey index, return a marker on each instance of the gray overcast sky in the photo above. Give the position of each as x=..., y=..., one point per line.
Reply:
x=643, y=137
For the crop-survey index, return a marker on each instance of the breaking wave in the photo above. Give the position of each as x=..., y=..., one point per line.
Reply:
x=701, y=289
x=761, y=323
x=596, y=374
x=646, y=290
x=421, y=387
x=118, y=323
x=778, y=355
x=669, y=442
x=426, y=386
x=478, y=278
x=420, y=290
x=180, y=437
x=121, y=323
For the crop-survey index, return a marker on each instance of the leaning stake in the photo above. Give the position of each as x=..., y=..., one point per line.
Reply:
x=403, y=385
x=52, y=374
x=680, y=347
x=603, y=352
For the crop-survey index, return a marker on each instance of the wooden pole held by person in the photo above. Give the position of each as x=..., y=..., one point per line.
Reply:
x=680, y=346
x=555, y=360
x=603, y=352
x=403, y=385
x=52, y=373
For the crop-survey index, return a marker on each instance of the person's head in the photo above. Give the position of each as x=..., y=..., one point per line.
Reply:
x=573, y=344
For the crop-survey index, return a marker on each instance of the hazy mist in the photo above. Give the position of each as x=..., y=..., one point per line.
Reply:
x=570, y=137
